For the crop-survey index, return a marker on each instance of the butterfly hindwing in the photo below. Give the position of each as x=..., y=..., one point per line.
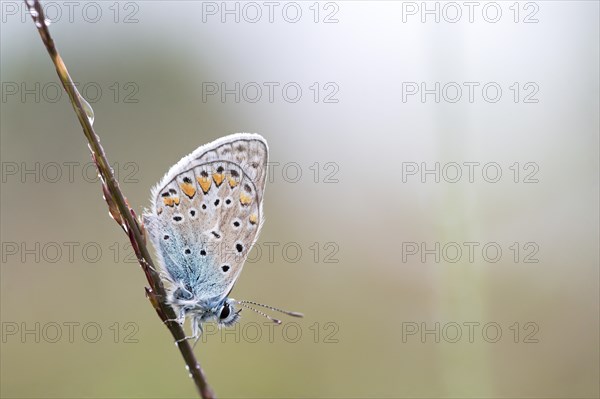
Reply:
x=207, y=212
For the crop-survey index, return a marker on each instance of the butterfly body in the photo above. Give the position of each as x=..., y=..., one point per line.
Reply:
x=205, y=216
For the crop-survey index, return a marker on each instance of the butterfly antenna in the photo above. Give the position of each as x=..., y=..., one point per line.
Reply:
x=287, y=312
x=276, y=321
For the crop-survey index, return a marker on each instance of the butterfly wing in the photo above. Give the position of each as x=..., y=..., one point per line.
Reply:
x=207, y=212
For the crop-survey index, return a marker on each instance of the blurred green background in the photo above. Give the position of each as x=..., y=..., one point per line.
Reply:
x=381, y=321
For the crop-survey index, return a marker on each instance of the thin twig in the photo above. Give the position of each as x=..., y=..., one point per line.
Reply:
x=119, y=208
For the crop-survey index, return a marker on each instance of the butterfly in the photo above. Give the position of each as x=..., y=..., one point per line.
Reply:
x=205, y=216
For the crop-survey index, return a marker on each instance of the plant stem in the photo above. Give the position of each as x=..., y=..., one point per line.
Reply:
x=119, y=207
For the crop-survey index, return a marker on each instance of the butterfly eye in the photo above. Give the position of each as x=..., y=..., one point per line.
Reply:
x=225, y=311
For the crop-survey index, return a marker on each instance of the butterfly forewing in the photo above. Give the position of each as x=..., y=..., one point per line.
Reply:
x=207, y=213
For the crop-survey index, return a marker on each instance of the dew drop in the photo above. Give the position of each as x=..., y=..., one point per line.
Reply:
x=87, y=107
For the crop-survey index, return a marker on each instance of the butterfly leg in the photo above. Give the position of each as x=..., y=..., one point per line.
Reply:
x=196, y=333
x=165, y=277
x=177, y=341
x=180, y=319
x=196, y=330
x=187, y=337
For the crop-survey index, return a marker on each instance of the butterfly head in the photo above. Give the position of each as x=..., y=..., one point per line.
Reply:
x=226, y=313
x=222, y=311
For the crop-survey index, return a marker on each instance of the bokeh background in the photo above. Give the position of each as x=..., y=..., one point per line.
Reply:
x=380, y=320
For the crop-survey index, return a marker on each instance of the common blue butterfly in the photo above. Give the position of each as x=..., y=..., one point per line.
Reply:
x=205, y=217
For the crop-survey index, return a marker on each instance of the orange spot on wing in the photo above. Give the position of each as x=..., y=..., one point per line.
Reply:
x=204, y=183
x=168, y=201
x=232, y=182
x=176, y=200
x=245, y=199
x=218, y=178
x=188, y=189
x=253, y=218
